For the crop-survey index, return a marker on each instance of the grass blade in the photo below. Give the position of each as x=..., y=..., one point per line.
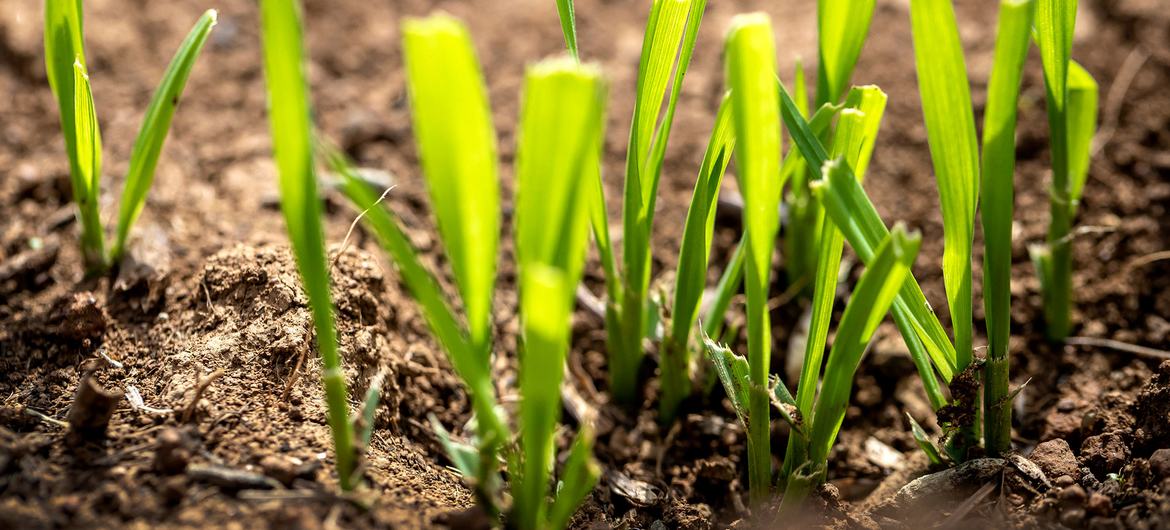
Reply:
x=855, y=137
x=751, y=75
x=950, y=128
x=1055, y=22
x=1082, y=126
x=561, y=130
x=871, y=299
x=694, y=253
x=842, y=26
x=725, y=290
x=155, y=126
x=734, y=374
x=578, y=478
x=292, y=143
x=545, y=329
x=64, y=45
x=568, y=18
x=558, y=152
x=64, y=48
x=998, y=166
x=671, y=32
x=933, y=455
x=441, y=319
x=457, y=148
x=858, y=220
x=87, y=180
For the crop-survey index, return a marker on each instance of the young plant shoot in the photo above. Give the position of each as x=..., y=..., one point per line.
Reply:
x=694, y=253
x=66, y=68
x=846, y=203
x=457, y=147
x=998, y=169
x=669, y=42
x=292, y=143
x=559, y=149
x=950, y=131
x=854, y=139
x=867, y=307
x=750, y=57
x=1072, y=121
x=561, y=130
x=842, y=27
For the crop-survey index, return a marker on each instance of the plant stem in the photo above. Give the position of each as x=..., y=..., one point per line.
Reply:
x=997, y=409
x=93, y=244
x=626, y=355
x=675, y=379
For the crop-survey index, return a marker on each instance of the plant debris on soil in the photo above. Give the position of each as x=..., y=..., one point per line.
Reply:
x=185, y=392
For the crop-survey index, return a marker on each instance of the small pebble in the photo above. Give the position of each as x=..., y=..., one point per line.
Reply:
x=1072, y=517
x=1160, y=463
x=1099, y=505
x=1074, y=494
x=280, y=468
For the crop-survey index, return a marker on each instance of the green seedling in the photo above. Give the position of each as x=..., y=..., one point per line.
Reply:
x=950, y=128
x=292, y=143
x=998, y=170
x=70, y=83
x=751, y=75
x=559, y=152
x=846, y=203
x=1072, y=121
x=814, y=433
x=669, y=42
x=854, y=139
x=691, y=278
x=558, y=157
x=842, y=27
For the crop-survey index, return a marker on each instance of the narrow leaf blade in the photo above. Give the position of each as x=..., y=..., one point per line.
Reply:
x=457, y=148
x=155, y=126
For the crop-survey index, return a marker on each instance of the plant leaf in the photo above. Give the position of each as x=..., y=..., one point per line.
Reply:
x=464, y=457
x=1055, y=22
x=733, y=372
x=64, y=46
x=561, y=130
x=545, y=328
x=863, y=228
x=842, y=26
x=998, y=171
x=440, y=317
x=155, y=126
x=1082, y=126
x=871, y=299
x=750, y=56
x=87, y=178
x=950, y=128
x=695, y=248
x=457, y=148
x=291, y=128
x=855, y=137
x=694, y=253
x=568, y=18
x=924, y=442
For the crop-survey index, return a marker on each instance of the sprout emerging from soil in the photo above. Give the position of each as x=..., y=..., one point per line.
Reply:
x=70, y=83
x=558, y=158
x=1072, y=122
x=292, y=143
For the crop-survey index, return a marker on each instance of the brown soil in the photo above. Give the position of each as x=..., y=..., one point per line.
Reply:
x=208, y=327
